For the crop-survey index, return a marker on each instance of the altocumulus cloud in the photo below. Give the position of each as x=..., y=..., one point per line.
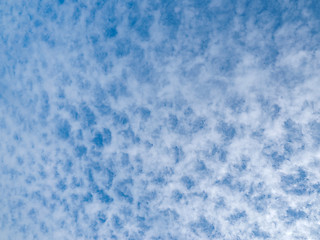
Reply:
x=159, y=119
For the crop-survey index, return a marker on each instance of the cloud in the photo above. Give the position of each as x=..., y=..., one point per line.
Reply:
x=159, y=120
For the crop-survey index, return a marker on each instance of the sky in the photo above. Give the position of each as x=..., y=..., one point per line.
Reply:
x=190, y=119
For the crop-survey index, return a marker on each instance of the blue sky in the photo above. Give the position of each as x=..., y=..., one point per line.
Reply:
x=159, y=119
